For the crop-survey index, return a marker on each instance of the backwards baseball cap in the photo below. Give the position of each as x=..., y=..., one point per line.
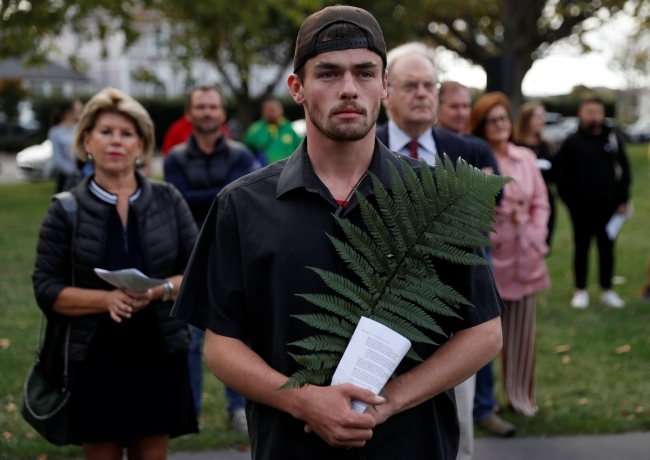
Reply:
x=306, y=46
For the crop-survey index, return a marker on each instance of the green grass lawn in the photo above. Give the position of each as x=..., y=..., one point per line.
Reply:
x=591, y=388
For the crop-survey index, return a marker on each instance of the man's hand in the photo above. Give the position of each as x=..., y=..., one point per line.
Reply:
x=622, y=208
x=328, y=412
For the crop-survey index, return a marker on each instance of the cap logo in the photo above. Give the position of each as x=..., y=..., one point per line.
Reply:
x=341, y=44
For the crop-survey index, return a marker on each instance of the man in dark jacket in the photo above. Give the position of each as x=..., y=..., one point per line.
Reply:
x=593, y=179
x=200, y=168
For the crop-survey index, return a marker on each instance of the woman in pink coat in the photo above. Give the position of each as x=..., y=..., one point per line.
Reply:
x=519, y=247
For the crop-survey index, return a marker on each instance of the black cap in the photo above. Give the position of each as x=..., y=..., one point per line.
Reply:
x=306, y=46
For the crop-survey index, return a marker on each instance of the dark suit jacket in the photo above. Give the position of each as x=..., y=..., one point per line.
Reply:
x=472, y=149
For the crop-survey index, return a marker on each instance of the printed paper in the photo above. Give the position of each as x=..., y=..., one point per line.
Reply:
x=371, y=357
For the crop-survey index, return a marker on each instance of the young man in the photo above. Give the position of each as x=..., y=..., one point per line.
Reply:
x=593, y=179
x=249, y=264
x=199, y=168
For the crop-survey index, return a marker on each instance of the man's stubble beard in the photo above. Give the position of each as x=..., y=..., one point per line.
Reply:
x=342, y=132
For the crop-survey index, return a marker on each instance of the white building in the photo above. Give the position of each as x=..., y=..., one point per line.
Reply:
x=148, y=57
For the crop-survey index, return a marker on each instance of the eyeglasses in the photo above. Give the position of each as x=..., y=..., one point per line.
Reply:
x=413, y=86
x=495, y=121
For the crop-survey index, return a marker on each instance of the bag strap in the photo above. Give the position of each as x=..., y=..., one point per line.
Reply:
x=69, y=204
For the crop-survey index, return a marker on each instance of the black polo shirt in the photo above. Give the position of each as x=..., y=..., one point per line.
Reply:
x=242, y=280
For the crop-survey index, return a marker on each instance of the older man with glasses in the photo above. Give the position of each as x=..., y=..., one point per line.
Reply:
x=412, y=106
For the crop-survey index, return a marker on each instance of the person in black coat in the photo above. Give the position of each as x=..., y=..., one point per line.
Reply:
x=593, y=179
x=128, y=369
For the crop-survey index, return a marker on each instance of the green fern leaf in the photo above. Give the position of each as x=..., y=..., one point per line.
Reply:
x=318, y=360
x=377, y=228
x=423, y=218
x=366, y=246
x=401, y=326
x=358, y=264
x=336, y=305
x=346, y=288
x=328, y=323
x=322, y=343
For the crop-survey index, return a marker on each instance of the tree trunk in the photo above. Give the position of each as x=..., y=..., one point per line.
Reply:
x=506, y=73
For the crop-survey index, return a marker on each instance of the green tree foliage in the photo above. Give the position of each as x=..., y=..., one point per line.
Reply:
x=11, y=93
x=419, y=219
x=517, y=30
x=28, y=27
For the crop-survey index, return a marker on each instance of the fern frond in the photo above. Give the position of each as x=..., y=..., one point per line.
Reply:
x=450, y=253
x=346, y=288
x=328, y=323
x=358, y=264
x=404, y=235
x=336, y=305
x=377, y=228
x=411, y=354
x=318, y=360
x=401, y=326
x=307, y=376
x=412, y=313
x=424, y=217
x=366, y=246
x=322, y=343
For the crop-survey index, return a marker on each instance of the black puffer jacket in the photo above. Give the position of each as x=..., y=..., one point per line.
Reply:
x=167, y=231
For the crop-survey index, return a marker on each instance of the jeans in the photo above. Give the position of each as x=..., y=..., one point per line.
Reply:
x=195, y=362
x=484, y=402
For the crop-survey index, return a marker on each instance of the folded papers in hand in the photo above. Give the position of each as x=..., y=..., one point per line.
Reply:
x=129, y=278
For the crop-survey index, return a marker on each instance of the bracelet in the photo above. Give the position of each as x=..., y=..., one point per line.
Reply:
x=168, y=289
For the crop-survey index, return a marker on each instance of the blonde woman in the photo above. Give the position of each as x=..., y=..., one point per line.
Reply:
x=127, y=357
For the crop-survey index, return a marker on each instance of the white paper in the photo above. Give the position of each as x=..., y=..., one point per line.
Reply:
x=544, y=165
x=129, y=278
x=614, y=225
x=370, y=358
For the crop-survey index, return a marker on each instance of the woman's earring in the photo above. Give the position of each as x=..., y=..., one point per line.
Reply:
x=90, y=157
x=138, y=163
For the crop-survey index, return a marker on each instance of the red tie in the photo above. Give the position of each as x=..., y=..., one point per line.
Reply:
x=413, y=149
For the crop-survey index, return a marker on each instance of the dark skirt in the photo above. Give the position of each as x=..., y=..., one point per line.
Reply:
x=126, y=388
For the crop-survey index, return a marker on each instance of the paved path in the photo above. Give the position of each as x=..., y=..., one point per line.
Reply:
x=629, y=446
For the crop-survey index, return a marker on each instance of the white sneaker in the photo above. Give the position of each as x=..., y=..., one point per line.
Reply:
x=238, y=421
x=611, y=299
x=580, y=299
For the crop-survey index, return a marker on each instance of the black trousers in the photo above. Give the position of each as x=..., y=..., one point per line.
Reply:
x=587, y=223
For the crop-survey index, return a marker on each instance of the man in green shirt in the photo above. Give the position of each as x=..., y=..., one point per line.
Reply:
x=272, y=136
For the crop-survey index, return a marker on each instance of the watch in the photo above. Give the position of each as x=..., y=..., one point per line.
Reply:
x=168, y=289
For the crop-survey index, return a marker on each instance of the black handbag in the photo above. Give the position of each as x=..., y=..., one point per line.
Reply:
x=45, y=408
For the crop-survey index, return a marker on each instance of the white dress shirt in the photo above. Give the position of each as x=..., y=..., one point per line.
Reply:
x=398, y=142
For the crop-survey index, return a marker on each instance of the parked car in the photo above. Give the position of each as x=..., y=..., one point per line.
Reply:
x=37, y=162
x=560, y=130
x=639, y=131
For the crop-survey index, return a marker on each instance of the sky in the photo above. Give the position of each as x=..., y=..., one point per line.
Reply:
x=562, y=67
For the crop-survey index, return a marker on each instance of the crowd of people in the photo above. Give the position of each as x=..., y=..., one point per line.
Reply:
x=136, y=364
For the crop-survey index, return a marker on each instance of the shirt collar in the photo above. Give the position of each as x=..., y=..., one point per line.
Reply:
x=298, y=171
x=397, y=139
x=107, y=197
